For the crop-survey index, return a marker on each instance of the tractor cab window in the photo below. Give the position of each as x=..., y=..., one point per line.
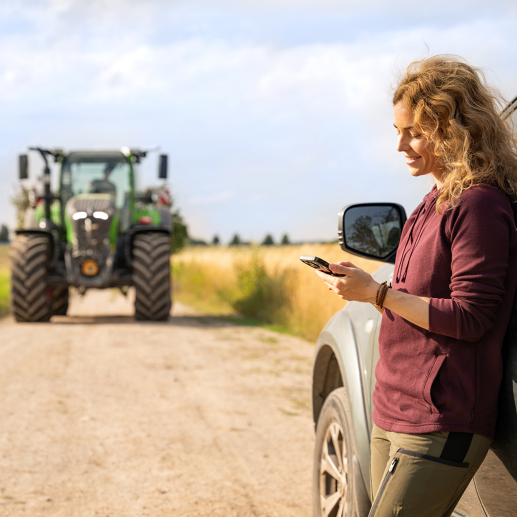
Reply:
x=89, y=173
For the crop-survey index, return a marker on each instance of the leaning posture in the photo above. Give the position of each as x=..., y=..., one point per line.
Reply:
x=445, y=315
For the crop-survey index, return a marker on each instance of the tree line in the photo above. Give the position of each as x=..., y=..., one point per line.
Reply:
x=237, y=241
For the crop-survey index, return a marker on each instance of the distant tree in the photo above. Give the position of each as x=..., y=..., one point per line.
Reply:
x=285, y=240
x=21, y=200
x=268, y=240
x=197, y=242
x=179, y=232
x=216, y=241
x=4, y=233
x=236, y=240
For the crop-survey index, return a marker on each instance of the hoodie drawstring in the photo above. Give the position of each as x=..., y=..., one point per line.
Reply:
x=411, y=244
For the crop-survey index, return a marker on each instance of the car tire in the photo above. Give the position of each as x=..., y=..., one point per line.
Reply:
x=333, y=477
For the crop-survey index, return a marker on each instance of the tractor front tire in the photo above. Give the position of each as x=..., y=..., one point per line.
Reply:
x=31, y=298
x=152, y=276
x=60, y=296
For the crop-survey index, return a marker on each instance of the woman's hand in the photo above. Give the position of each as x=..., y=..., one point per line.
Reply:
x=356, y=286
x=359, y=286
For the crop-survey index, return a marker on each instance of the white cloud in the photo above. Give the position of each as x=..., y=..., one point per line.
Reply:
x=260, y=125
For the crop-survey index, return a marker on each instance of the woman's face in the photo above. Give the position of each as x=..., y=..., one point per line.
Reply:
x=416, y=150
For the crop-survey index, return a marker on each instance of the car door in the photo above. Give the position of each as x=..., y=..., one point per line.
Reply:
x=496, y=480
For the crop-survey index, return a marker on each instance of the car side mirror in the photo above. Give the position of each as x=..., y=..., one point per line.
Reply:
x=164, y=166
x=23, y=167
x=371, y=230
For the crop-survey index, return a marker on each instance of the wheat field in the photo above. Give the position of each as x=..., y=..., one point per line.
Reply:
x=208, y=279
x=268, y=283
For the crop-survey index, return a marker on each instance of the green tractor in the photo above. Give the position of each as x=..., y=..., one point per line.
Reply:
x=95, y=232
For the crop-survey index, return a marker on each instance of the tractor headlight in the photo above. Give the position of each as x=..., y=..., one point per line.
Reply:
x=79, y=215
x=100, y=215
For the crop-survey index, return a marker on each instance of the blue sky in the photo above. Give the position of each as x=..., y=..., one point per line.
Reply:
x=275, y=114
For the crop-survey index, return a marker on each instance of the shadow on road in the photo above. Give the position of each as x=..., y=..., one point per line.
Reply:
x=174, y=321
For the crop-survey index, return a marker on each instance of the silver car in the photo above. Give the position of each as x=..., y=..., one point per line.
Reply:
x=343, y=380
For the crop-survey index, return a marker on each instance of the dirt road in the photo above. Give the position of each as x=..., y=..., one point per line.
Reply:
x=104, y=416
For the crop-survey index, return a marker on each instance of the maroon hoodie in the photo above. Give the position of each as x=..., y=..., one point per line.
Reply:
x=447, y=378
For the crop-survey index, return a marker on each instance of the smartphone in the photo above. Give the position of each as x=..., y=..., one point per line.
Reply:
x=318, y=263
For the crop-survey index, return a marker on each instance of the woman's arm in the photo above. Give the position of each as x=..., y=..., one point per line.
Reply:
x=359, y=286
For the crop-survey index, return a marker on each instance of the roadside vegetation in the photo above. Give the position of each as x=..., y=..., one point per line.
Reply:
x=264, y=284
x=259, y=285
x=4, y=279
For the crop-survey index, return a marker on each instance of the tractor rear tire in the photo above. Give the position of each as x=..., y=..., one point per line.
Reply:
x=60, y=298
x=31, y=298
x=152, y=276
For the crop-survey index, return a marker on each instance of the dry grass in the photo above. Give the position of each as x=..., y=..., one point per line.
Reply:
x=209, y=278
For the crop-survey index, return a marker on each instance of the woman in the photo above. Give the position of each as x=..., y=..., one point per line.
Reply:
x=443, y=321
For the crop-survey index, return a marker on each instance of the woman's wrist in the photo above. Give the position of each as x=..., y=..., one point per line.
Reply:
x=381, y=295
x=374, y=292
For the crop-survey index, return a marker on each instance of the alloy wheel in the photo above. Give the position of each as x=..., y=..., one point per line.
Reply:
x=334, y=473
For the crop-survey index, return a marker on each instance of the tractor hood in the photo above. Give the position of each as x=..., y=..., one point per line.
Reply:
x=90, y=217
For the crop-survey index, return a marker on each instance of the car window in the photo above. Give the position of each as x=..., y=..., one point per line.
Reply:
x=514, y=120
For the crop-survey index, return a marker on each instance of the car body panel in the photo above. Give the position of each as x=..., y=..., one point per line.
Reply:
x=350, y=337
x=347, y=358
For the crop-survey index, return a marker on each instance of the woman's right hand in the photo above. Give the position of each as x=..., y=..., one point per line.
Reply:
x=357, y=285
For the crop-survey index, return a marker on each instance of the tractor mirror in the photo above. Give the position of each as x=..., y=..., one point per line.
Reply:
x=23, y=167
x=371, y=230
x=164, y=166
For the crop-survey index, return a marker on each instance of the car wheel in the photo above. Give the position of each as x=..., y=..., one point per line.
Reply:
x=333, y=485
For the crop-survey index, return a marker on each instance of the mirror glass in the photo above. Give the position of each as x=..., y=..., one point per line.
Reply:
x=23, y=167
x=373, y=229
x=163, y=168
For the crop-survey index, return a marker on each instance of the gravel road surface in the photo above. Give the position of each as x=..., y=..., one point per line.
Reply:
x=104, y=416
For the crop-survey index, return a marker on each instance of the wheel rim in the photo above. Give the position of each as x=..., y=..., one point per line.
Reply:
x=334, y=473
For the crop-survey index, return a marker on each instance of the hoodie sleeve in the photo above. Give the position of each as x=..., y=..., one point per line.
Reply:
x=481, y=231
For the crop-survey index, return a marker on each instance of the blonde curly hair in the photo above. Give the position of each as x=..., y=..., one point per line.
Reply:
x=458, y=113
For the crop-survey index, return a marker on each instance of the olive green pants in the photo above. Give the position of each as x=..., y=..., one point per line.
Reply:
x=422, y=475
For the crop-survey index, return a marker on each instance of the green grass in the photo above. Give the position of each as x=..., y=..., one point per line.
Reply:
x=252, y=322
x=192, y=286
x=246, y=294
x=5, y=284
x=5, y=287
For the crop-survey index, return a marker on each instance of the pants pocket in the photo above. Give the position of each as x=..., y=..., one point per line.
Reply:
x=418, y=485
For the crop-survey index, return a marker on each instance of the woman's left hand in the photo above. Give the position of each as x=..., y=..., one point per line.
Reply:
x=357, y=285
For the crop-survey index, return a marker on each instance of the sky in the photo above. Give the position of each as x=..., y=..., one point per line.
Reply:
x=274, y=113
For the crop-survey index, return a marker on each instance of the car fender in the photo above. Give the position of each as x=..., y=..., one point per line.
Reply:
x=343, y=345
x=346, y=355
